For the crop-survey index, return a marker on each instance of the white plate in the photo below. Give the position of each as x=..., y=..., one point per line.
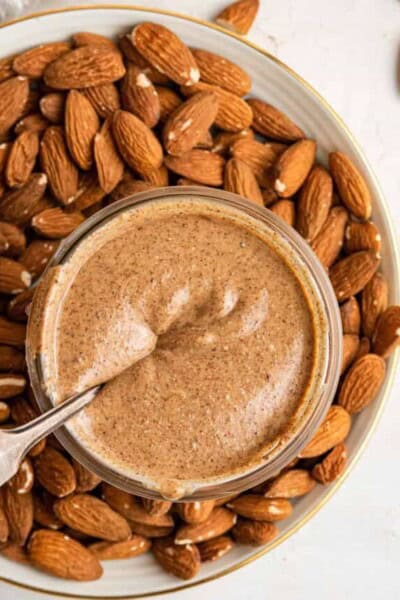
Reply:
x=276, y=83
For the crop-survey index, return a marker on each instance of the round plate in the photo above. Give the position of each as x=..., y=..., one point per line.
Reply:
x=276, y=83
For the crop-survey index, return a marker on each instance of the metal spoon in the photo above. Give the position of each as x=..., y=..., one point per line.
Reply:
x=16, y=443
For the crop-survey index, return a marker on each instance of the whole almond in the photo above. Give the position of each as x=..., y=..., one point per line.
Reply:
x=85, y=67
x=137, y=144
x=216, y=548
x=20, y=205
x=181, y=561
x=37, y=255
x=254, y=533
x=362, y=236
x=239, y=16
x=81, y=126
x=109, y=165
x=129, y=507
x=134, y=546
x=35, y=122
x=350, y=316
x=156, y=507
x=169, y=100
x=132, y=55
x=12, y=334
x=15, y=239
x=86, y=481
x=18, y=509
x=166, y=52
x=258, y=508
x=22, y=481
x=350, y=275
x=89, y=192
x=6, y=70
x=333, y=430
x=15, y=552
x=52, y=107
x=224, y=141
x=233, y=115
x=22, y=158
x=195, y=512
x=11, y=360
x=332, y=465
x=219, y=521
x=314, y=203
x=14, y=94
x=188, y=124
x=14, y=277
x=43, y=513
x=4, y=416
x=273, y=123
x=55, y=223
x=56, y=163
x=104, y=99
x=18, y=306
x=285, y=210
x=386, y=337
x=129, y=186
x=201, y=166
x=55, y=473
x=157, y=177
x=240, y=179
x=362, y=383
x=4, y=529
x=218, y=70
x=351, y=185
x=374, y=300
x=364, y=348
x=89, y=515
x=5, y=148
x=11, y=385
x=291, y=484
x=139, y=96
x=259, y=157
x=151, y=531
x=33, y=62
x=58, y=554
x=88, y=38
x=351, y=344
x=293, y=166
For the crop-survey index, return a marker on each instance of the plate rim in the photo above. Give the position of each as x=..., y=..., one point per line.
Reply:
x=395, y=257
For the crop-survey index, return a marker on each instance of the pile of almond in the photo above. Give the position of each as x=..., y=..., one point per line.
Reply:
x=88, y=121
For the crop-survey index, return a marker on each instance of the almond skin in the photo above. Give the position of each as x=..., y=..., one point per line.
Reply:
x=85, y=67
x=22, y=158
x=374, y=300
x=351, y=344
x=14, y=93
x=258, y=508
x=109, y=165
x=52, y=107
x=201, y=166
x=386, y=337
x=11, y=360
x=195, y=512
x=350, y=316
x=43, y=513
x=293, y=166
x=362, y=383
x=37, y=255
x=132, y=55
x=254, y=533
x=55, y=223
x=224, y=141
x=34, y=122
x=104, y=98
x=219, y=521
x=20, y=205
x=58, y=554
x=86, y=481
x=169, y=101
x=332, y=466
x=291, y=484
x=55, y=473
x=364, y=348
x=134, y=546
x=33, y=62
x=22, y=482
x=240, y=179
x=272, y=123
x=351, y=185
x=166, y=52
x=362, y=236
x=12, y=334
x=239, y=16
x=139, y=96
x=350, y=275
x=188, y=124
x=156, y=507
x=18, y=509
x=216, y=548
x=11, y=385
x=56, y=163
x=81, y=126
x=259, y=157
x=6, y=70
x=4, y=529
x=87, y=38
x=14, y=238
x=314, y=203
x=333, y=430
x=285, y=210
x=14, y=277
x=129, y=507
x=217, y=70
x=181, y=561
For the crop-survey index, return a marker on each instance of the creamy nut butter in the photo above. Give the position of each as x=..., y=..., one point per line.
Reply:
x=205, y=334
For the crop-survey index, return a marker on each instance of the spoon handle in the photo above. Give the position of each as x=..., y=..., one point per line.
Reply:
x=16, y=443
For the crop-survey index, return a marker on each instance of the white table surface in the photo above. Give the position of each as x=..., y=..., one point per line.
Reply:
x=350, y=51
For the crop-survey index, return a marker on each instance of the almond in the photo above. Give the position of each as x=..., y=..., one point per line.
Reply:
x=85, y=67
x=20, y=205
x=35, y=122
x=22, y=158
x=104, y=99
x=5, y=148
x=151, y=531
x=156, y=507
x=350, y=315
x=225, y=140
x=87, y=38
x=11, y=360
x=188, y=124
x=14, y=94
x=166, y=52
x=328, y=242
x=4, y=416
x=233, y=115
x=18, y=509
x=11, y=385
x=351, y=185
x=81, y=126
x=272, y=123
x=18, y=307
x=217, y=70
x=157, y=177
x=202, y=166
x=6, y=70
x=216, y=548
x=55, y=473
x=285, y=210
x=4, y=529
x=134, y=546
x=362, y=236
x=52, y=107
x=362, y=383
x=37, y=255
x=350, y=275
x=132, y=55
x=333, y=430
x=364, y=348
x=129, y=507
x=23, y=412
x=258, y=508
x=332, y=466
x=168, y=100
x=314, y=203
x=293, y=166
x=33, y=62
x=89, y=192
x=15, y=553
x=386, y=337
x=351, y=344
x=14, y=238
x=195, y=512
x=86, y=481
x=56, y=163
x=374, y=301
x=181, y=561
x=219, y=521
x=290, y=484
x=239, y=16
x=255, y=533
x=259, y=157
x=137, y=144
x=14, y=278
x=89, y=515
x=43, y=513
x=12, y=334
x=55, y=223
x=139, y=96
x=58, y=554
x=129, y=186
x=22, y=481
x=240, y=179
x=110, y=167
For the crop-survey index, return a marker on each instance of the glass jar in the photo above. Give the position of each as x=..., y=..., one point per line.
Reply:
x=299, y=255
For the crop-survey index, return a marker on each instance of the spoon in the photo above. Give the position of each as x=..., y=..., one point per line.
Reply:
x=16, y=443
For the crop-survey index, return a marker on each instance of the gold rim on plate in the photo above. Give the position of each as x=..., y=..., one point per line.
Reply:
x=388, y=223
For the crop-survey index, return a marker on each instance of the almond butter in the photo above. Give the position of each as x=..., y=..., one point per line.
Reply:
x=239, y=16
x=351, y=185
x=56, y=163
x=58, y=554
x=293, y=166
x=55, y=473
x=18, y=509
x=22, y=158
x=201, y=166
x=314, y=203
x=52, y=107
x=20, y=205
x=33, y=62
x=351, y=344
x=216, y=548
x=240, y=179
x=55, y=223
x=181, y=561
x=386, y=337
x=195, y=512
x=273, y=123
x=139, y=96
x=333, y=430
x=104, y=99
x=290, y=484
x=14, y=93
x=254, y=533
x=350, y=275
x=166, y=52
x=217, y=70
x=374, y=301
x=332, y=466
x=37, y=255
x=258, y=508
x=285, y=210
x=134, y=546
